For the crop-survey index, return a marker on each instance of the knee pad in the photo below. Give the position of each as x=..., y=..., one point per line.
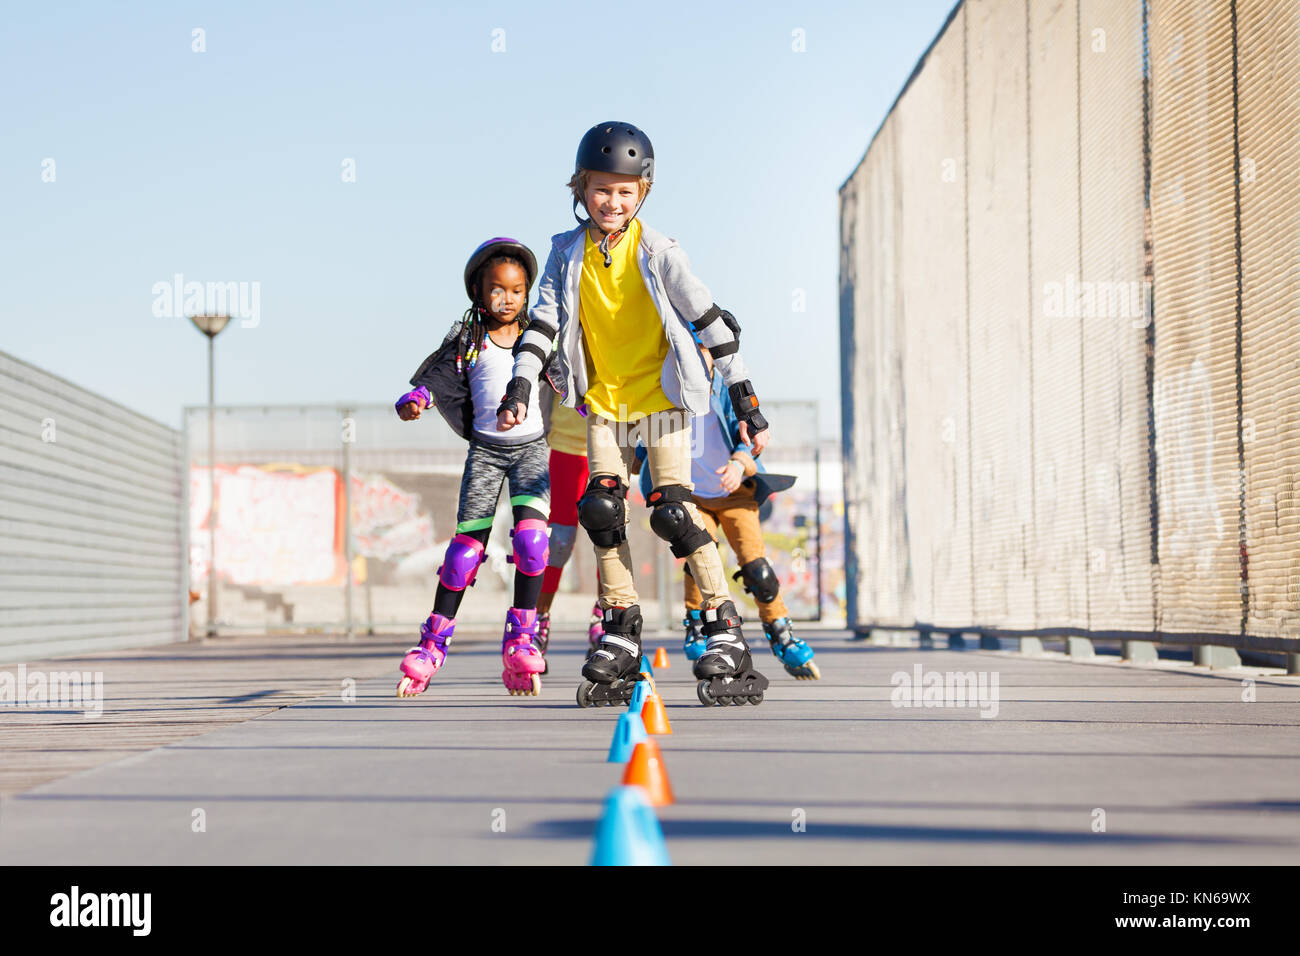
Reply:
x=531, y=546
x=601, y=510
x=460, y=564
x=672, y=522
x=759, y=580
x=562, y=539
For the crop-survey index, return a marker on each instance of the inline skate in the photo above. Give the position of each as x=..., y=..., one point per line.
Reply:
x=521, y=659
x=422, y=662
x=595, y=628
x=726, y=670
x=695, y=642
x=614, y=667
x=543, y=639
x=793, y=653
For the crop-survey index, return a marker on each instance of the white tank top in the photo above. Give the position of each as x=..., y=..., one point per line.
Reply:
x=487, y=383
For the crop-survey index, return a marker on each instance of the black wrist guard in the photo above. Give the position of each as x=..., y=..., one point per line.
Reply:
x=745, y=403
x=517, y=393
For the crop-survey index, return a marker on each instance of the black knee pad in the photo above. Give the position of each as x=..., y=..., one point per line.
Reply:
x=601, y=510
x=760, y=580
x=672, y=522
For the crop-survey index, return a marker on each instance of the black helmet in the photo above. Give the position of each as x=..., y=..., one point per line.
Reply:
x=615, y=147
x=500, y=246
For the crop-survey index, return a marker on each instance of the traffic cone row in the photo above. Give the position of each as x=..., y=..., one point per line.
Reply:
x=629, y=833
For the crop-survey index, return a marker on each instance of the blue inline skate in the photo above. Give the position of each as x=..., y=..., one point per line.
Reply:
x=695, y=642
x=793, y=653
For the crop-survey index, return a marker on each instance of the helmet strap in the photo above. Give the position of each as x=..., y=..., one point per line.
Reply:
x=608, y=237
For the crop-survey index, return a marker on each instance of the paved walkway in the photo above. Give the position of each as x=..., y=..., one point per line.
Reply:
x=1184, y=769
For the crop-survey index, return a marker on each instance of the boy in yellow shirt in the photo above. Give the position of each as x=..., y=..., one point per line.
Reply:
x=623, y=302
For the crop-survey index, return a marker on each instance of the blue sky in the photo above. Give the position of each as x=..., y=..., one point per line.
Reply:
x=226, y=166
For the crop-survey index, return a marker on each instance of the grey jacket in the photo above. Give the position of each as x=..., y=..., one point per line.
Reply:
x=678, y=296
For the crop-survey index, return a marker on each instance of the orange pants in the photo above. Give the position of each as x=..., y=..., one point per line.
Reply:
x=737, y=515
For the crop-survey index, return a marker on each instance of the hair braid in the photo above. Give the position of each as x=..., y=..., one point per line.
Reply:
x=473, y=329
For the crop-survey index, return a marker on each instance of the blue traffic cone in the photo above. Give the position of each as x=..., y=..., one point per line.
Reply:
x=628, y=732
x=628, y=834
x=639, y=695
x=645, y=666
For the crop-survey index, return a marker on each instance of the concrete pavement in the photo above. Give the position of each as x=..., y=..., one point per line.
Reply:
x=1184, y=770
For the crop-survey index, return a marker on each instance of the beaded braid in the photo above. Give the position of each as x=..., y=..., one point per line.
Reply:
x=473, y=328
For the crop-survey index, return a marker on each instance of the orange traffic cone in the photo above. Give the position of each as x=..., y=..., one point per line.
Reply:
x=654, y=716
x=646, y=770
x=661, y=658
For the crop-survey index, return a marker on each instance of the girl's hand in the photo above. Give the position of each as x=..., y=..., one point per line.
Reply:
x=412, y=403
x=507, y=419
x=731, y=473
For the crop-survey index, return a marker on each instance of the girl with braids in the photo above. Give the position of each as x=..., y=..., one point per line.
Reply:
x=465, y=380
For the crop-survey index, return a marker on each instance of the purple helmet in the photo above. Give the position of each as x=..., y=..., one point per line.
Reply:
x=501, y=245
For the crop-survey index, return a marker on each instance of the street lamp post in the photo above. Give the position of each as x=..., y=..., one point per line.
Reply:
x=211, y=326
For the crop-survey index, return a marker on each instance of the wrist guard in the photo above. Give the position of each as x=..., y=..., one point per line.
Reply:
x=420, y=396
x=745, y=404
x=517, y=392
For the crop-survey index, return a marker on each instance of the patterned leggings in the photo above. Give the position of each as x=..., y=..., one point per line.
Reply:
x=487, y=468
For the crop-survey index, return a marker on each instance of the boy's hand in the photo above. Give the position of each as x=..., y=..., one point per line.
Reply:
x=409, y=412
x=514, y=404
x=507, y=419
x=759, y=441
x=753, y=426
x=731, y=473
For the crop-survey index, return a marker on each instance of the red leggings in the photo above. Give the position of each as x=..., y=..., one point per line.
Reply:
x=568, y=481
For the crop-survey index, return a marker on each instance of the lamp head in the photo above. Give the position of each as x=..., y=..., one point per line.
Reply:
x=210, y=325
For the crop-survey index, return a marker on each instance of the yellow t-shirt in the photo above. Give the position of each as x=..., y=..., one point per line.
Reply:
x=622, y=333
x=568, y=431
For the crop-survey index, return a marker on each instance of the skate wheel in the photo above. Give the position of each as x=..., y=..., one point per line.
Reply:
x=813, y=672
x=403, y=686
x=584, y=694
x=755, y=699
x=537, y=686
x=706, y=698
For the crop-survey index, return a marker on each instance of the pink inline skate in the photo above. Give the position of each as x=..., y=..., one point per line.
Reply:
x=596, y=628
x=543, y=640
x=422, y=662
x=521, y=659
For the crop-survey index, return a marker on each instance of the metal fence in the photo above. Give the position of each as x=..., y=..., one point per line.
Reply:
x=91, y=521
x=335, y=517
x=1070, y=293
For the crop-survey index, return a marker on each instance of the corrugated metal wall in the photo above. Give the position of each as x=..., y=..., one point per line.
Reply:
x=1070, y=312
x=91, y=521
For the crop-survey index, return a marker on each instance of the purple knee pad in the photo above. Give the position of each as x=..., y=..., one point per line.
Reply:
x=531, y=546
x=460, y=564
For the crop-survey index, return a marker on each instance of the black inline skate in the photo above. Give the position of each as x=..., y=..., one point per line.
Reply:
x=726, y=671
x=614, y=667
